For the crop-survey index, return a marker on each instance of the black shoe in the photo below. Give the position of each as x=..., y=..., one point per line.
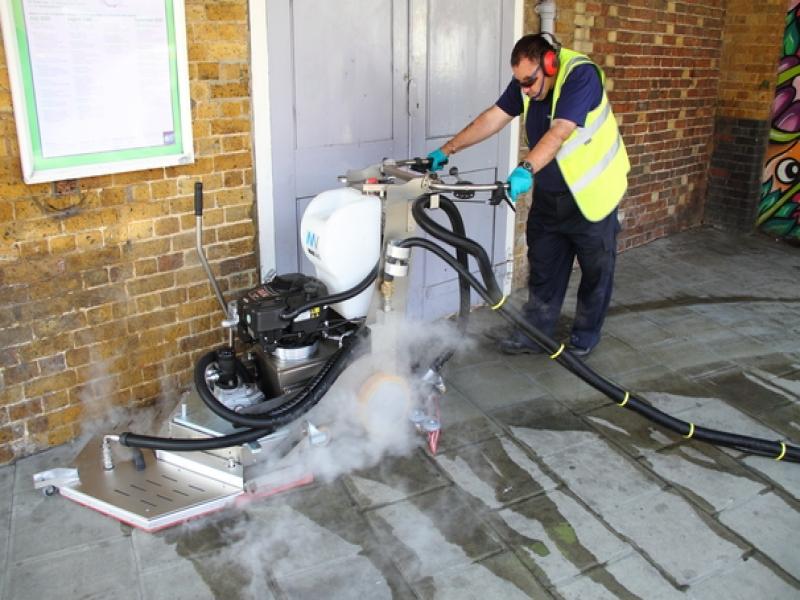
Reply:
x=518, y=344
x=579, y=351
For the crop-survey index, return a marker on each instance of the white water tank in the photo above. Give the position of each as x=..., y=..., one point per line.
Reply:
x=341, y=236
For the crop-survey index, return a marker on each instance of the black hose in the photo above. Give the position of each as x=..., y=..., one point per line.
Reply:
x=457, y=225
x=311, y=393
x=776, y=449
x=456, y=239
x=188, y=445
x=333, y=298
x=261, y=425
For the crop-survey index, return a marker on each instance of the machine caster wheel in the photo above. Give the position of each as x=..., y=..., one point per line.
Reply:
x=50, y=490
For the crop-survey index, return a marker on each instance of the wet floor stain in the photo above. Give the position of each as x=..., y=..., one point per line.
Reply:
x=690, y=301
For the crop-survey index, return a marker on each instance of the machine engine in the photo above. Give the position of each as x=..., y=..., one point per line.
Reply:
x=260, y=312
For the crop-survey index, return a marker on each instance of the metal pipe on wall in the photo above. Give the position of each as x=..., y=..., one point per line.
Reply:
x=547, y=16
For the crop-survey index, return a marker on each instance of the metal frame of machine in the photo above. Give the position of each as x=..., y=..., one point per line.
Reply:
x=288, y=333
x=238, y=434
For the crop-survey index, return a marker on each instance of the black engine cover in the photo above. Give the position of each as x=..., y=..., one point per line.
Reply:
x=260, y=309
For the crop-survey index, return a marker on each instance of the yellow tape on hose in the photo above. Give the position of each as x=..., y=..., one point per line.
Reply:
x=783, y=452
x=499, y=304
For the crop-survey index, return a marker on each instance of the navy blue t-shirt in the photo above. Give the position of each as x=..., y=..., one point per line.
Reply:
x=581, y=93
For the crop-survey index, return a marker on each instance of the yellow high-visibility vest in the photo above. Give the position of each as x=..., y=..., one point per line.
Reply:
x=593, y=159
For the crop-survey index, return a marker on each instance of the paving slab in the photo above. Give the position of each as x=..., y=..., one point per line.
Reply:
x=495, y=473
x=393, y=479
x=629, y=577
x=103, y=570
x=432, y=533
x=752, y=390
x=748, y=579
x=634, y=329
x=601, y=475
x=462, y=422
x=771, y=525
x=574, y=393
x=616, y=359
x=542, y=487
x=557, y=537
x=351, y=578
x=42, y=524
x=714, y=481
x=630, y=431
x=676, y=536
x=180, y=581
x=499, y=576
x=494, y=385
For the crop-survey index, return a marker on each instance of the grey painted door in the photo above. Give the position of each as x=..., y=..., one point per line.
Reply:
x=354, y=81
x=338, y=85
x=459, y=67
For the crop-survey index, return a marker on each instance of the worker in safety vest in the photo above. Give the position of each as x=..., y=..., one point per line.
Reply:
x=580, y=165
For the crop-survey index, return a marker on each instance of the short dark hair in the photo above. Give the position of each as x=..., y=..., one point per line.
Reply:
x=531, y=46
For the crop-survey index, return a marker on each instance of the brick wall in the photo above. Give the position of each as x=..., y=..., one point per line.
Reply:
x=662, y=60
x=691, y=84
x=103, y=301
x=752, y=43
x=662, y=64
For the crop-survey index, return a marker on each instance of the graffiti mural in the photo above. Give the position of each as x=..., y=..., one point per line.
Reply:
x=779, y=206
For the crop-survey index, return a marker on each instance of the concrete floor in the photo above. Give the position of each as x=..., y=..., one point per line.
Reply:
x=542, y=488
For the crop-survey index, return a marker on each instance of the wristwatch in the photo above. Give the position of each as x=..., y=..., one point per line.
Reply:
x=527, y=166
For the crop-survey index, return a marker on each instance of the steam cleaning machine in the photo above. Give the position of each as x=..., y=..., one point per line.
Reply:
x=240, y=432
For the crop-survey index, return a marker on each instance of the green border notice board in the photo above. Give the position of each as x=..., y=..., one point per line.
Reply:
x=98, y=86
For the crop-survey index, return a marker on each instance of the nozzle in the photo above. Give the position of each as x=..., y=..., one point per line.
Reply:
x=108, y=456
x=387, y=289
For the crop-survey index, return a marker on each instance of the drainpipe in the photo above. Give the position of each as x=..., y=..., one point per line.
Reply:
x=547, y=16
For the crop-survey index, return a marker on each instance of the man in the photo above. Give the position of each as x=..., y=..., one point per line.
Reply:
x=580, y=165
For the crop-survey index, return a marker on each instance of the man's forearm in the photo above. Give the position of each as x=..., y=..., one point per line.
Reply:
x=485, y=125
x=547, y=148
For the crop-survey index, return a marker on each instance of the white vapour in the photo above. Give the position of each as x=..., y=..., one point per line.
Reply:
x=366, y=412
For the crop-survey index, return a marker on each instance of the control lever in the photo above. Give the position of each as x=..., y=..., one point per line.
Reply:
x=499, y=195
x=419, y=165
x=461, y=194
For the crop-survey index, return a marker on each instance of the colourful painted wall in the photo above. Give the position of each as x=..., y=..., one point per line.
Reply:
x=779, y=206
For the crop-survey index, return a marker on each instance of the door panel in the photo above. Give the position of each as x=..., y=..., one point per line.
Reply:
x=459, y=65
x=338, y=89
x=354, y=81
x=462, y=57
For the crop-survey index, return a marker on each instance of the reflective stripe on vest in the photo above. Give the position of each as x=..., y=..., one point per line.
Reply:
x=593, y=159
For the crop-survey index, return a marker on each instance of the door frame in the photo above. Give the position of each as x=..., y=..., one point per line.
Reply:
x=262, y=142
x=262, y=138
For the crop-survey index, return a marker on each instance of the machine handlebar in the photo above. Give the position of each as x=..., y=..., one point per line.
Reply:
x=460, y=189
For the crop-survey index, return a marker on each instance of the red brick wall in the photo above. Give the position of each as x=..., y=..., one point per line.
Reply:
x=674, y=70
x=662, y=61
x=662, y=64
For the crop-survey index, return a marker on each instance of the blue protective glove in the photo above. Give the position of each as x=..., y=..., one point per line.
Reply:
x=438, y=160
x=519, y=181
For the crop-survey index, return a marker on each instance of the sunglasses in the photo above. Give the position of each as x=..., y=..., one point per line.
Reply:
x=530, y=80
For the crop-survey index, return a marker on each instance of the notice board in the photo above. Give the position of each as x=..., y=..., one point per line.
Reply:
x=98, y=86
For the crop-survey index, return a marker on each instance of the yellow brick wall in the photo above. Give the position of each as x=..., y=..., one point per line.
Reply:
x=103, y=301
x=752, y=40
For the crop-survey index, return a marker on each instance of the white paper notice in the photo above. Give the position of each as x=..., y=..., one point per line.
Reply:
x=100, y=74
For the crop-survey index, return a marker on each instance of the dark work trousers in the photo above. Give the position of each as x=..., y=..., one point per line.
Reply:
x=556, y=233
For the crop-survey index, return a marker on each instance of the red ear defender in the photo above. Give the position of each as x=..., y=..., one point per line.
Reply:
x=550, y=63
